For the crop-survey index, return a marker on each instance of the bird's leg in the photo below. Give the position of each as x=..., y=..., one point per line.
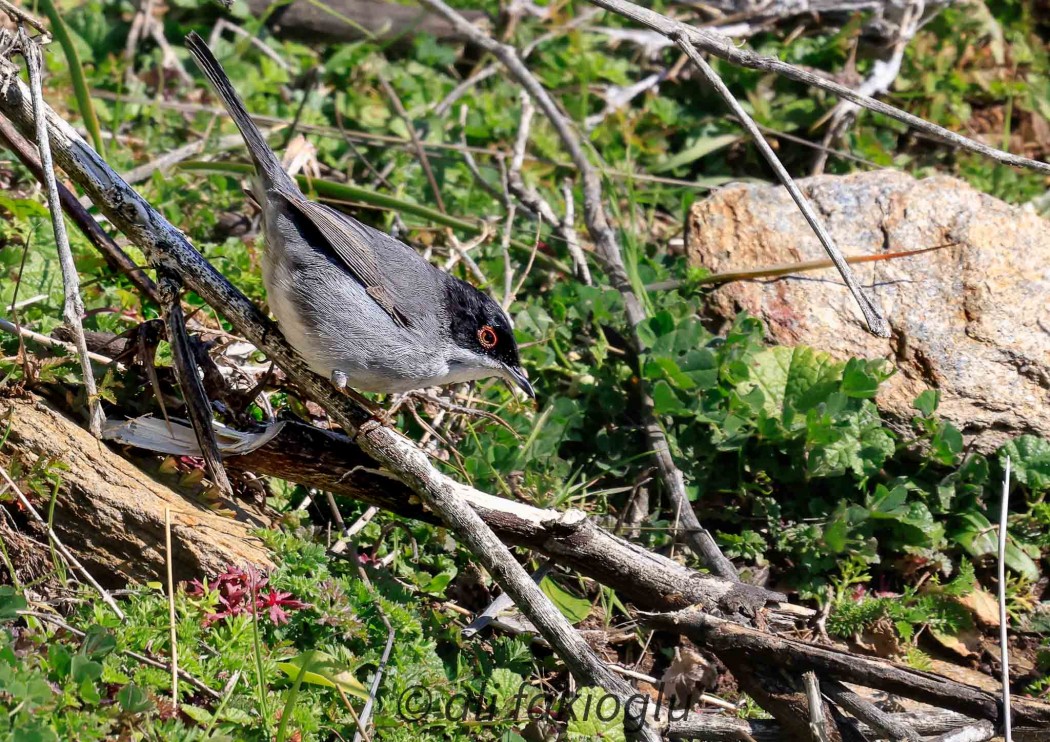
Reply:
x=380, y=415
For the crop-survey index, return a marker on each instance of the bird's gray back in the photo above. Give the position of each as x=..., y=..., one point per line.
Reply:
x=328, y=316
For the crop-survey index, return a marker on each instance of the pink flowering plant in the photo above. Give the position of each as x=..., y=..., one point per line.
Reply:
x=236, y=590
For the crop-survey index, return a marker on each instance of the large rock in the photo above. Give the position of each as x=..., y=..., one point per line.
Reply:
x=972, y=320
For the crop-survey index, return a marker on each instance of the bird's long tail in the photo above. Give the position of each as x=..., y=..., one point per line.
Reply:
x=266, y=162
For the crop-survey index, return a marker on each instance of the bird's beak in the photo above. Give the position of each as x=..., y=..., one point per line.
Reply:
x=517, y=375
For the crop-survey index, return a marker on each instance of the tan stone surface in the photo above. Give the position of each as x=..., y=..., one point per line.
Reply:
x=972, y=320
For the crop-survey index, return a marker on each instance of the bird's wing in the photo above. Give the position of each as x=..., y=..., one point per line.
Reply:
x=351, y=243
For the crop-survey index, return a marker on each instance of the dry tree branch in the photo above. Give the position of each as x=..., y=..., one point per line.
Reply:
x=740, y=645
x=607, y=252
x=185, y=363
x=167, y=248
x=73, y=306
x=864, y=711
x=723, y=47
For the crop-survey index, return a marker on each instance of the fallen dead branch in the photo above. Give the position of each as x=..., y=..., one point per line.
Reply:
x=330, y=462
x=751, y=655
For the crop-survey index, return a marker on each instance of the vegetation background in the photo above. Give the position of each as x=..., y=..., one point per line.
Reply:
x=785, y=454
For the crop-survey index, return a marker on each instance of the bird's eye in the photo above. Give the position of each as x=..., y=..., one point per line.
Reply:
x=487, y=337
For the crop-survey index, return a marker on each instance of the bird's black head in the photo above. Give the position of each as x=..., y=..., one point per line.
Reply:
x=479, y=325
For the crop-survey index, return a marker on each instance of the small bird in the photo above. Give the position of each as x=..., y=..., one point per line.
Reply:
x=362, y=308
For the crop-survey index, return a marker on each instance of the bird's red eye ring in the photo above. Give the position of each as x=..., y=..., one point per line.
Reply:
x=487, y=337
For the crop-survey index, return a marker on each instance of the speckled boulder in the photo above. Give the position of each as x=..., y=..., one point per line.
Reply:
x=971, y=319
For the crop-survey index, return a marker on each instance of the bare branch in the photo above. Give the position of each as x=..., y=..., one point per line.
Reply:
x=73, y=307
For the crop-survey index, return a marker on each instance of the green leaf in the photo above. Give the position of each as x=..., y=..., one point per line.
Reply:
x=572, y=607
x=979, y=538
x=82, y=669
x=98, y=642
x=858, y=381
x=1029, y=461
x=927, y=402
x=324, y=670
x=796, y=379
x=133, y=699
x=11, y=602
x=199, y=715
x=596, y=716
x=702, y=147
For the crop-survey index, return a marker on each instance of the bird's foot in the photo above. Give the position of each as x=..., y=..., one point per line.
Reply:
x=377, y=415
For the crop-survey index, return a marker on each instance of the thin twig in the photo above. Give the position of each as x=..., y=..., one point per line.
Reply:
x=725, y=48
x=170, y=159
x=10, y=327
x=73, y=307
x=197, y=406
x=607, y=250
x=1004, y=647
x=572, y=242
x=377, y=679
x=399, y=108
x=59, y=546
x=20, y=15
x=877, y=324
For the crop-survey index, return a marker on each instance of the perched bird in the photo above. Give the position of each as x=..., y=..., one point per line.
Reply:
x=360, y=307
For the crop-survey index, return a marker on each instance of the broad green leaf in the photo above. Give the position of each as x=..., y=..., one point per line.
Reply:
x=572, y=607
x=98, y=642
x=199, y=715
x=133, y=699
x=597, y=716
x=793, y=378
x=927, y=402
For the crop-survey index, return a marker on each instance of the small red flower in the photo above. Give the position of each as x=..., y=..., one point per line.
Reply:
x=233, y=590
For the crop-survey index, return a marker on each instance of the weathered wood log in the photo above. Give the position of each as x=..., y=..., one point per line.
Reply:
x=111, y=514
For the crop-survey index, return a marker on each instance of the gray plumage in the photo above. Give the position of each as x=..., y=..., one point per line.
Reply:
x=359, y=306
